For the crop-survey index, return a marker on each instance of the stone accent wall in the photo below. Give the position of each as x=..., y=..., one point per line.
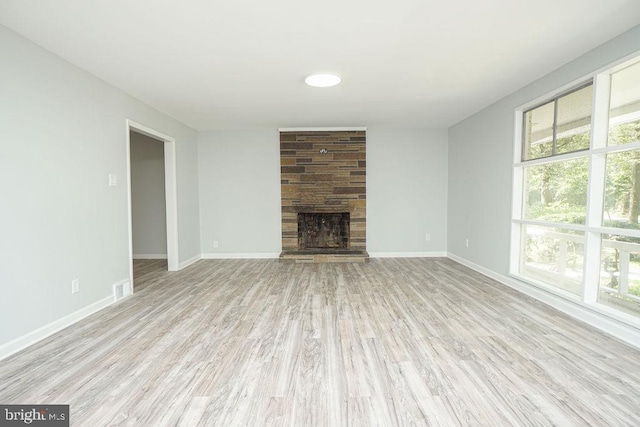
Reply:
x=316, y=182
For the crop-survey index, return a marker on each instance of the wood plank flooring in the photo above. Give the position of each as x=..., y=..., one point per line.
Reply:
x=394, y=342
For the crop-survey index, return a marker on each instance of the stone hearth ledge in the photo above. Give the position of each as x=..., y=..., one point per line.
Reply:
x=320, y=256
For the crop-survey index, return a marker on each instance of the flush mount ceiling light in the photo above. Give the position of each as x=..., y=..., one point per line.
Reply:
x=322, y=79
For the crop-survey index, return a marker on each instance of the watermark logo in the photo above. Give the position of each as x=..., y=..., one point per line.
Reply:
x=34, y=415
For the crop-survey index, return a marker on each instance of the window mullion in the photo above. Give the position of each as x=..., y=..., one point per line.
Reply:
x=595, y=195
x=595, y=200
x=554, y=127
x=600, y=120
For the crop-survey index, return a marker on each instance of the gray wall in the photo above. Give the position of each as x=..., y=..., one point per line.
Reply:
x=148, y=200
x=63, y=131
x=406, y=190
x=240, y=191
x=481, y=160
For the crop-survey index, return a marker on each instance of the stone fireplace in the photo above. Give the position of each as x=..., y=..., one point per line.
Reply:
x=323, y=183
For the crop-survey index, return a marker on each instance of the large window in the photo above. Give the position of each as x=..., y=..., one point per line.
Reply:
x=577, y=193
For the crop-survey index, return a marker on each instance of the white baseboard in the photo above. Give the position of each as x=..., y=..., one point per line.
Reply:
x=618, y=329
x=187, y=263
x=150, y=256
x=407, y=254
x=39, y=334
x=259, y=255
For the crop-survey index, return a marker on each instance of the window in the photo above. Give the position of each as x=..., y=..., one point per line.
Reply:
x=575, y=227
x=557, y=191
x=624, y=107
x=554, y=189
x=560, y=126
x=554, y=255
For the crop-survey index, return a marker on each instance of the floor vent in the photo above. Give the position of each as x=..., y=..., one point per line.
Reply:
x=121, y=290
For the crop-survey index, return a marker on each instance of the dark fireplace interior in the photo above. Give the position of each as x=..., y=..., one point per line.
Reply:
x=323, y=230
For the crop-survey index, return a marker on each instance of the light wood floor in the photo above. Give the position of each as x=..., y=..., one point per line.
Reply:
x=391, y=342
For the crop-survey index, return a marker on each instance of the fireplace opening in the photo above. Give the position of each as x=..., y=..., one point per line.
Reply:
x=323, y=230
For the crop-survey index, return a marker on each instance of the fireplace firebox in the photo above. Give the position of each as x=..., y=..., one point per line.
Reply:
x=320, y=230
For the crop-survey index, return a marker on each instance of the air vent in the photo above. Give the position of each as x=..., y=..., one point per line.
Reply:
x=121, y=290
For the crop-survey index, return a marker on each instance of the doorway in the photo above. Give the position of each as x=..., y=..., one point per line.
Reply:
x=168, y=241
x=148, y=200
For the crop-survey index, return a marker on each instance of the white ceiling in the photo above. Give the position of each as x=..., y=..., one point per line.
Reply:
x=233, y=64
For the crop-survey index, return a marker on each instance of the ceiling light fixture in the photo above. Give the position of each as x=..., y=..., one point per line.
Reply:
x=322, y=79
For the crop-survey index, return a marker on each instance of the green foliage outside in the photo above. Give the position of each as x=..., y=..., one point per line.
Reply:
x=557, y=191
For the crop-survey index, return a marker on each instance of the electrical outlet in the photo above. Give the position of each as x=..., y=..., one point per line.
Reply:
x=466, y=242
x=75, y=286
x=113, y=180
x=427, y=237
x=215, y=244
